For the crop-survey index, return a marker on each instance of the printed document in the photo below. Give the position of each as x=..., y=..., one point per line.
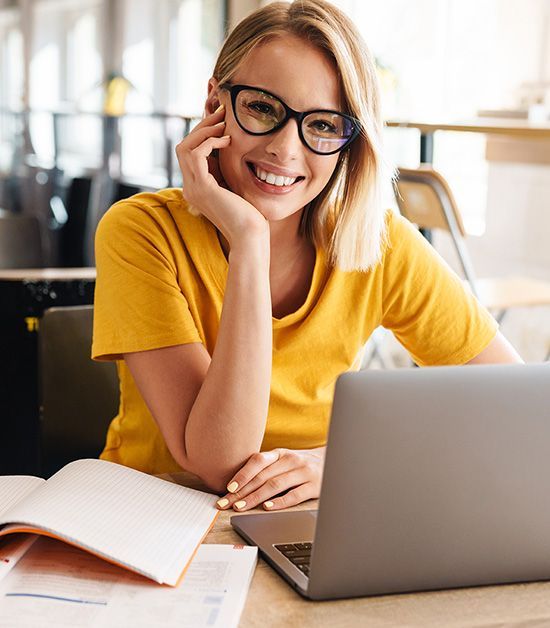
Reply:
x=55, y=584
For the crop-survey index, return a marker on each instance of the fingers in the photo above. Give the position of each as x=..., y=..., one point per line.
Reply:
x=255, y=464
x=207, y=146
x=193, y=151
x=211, y=119
x=198, y=136
x=205, y=127
x=194, y=165
x=263, y=482
x=296, y=496
x=269, y=494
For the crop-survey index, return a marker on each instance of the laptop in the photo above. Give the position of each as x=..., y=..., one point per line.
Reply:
x=434, y=478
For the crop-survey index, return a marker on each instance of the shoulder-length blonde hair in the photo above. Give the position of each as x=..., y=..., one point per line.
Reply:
x=347, y=217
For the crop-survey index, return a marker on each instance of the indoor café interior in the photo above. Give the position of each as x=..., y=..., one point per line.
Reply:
x=294, y=256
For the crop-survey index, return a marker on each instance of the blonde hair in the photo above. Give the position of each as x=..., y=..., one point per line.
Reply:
x=347, y=217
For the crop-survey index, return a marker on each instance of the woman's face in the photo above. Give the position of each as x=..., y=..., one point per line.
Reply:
x=303, y=78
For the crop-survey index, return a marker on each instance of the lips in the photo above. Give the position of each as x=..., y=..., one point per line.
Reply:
x=273, y=178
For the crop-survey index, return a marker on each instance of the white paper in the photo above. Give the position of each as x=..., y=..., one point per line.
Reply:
x=58, y=585
x=12, y=548
x=14, y=488
x=148, y=524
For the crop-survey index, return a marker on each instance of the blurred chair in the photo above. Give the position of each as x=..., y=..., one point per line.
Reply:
x=125, y=190
x=376, y=352
x=425, y=198
x=20, y=241
x=73, y=232
x=78, y=396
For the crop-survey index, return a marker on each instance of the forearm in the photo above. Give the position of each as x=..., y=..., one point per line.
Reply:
x=227, y=422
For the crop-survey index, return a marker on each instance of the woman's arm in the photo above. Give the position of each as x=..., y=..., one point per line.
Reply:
x=212, y=412
x=498, y=351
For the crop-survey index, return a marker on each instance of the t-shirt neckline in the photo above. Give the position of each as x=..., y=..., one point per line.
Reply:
x=219, y=267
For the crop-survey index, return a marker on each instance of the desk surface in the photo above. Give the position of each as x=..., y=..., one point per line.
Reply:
x=272, y=602
x=498, y=126
x=47, y=274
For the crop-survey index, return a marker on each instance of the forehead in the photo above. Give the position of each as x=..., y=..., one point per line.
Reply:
x=293, y=69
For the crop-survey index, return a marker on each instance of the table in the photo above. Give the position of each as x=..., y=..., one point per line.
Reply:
x=272, y=602
x=493, y=126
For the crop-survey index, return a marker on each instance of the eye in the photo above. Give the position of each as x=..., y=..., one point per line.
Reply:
x=260, y=107
x=323, y=127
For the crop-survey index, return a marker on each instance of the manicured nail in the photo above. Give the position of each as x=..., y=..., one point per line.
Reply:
x=220, y=107
x=240, y=504
x=222, y=503
x=232, y=487
x=268, y=504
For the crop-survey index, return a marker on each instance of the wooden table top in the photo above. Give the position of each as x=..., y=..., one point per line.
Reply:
x=498, y=126
x=272, y=602
x=48, y=274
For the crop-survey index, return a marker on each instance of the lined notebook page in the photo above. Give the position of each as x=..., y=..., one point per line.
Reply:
x=14, y=488
x=147, y=524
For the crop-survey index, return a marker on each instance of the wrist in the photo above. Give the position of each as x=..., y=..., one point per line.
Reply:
x=254, y=246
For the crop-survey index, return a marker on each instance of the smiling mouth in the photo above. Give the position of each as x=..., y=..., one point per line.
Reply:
x=272, y=178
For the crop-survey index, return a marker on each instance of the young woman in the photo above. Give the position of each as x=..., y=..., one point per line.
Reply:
x=232, y=307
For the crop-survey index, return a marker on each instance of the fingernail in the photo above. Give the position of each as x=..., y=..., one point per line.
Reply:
x=240, y=504
x=222, y=503
x=232, y=487
x=225, y=137
x=268, y=504
x=220, y=107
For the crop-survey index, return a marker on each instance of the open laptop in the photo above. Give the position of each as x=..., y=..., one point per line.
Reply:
x=434, y=478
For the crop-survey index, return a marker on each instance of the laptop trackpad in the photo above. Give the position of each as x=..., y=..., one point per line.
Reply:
x=276, y=527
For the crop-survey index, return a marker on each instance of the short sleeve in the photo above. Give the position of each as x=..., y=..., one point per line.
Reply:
x=426, y=305
x=139, y=304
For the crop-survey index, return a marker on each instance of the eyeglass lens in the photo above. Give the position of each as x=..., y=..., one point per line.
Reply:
x=323, y=131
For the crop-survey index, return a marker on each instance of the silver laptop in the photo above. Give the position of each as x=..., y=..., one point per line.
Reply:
x=434, y=478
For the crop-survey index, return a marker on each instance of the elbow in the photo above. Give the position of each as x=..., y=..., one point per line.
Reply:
x=217, y=477
x=215, y=484
x=216, y=471
x=215, y=480
x=212, y=479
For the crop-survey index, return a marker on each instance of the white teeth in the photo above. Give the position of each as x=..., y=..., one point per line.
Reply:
x=273, y=179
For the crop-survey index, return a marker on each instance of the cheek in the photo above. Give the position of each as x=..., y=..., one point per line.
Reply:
x=324, y=167
x=232, y=159
x=230, y=166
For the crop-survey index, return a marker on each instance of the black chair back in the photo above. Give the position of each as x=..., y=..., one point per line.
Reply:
x=20, y=241
x=79, y=397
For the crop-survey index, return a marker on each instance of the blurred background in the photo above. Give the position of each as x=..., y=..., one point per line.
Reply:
x=95, y=94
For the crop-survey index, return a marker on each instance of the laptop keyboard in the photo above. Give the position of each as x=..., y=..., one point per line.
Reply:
x=299, y=554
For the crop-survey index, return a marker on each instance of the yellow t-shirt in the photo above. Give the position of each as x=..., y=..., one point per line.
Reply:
x=161, y=274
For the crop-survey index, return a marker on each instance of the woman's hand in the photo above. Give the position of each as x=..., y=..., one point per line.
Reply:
x=295, y=472
x=204, y=188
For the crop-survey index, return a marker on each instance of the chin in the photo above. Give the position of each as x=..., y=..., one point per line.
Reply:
x=276, y=208
x=274, y=212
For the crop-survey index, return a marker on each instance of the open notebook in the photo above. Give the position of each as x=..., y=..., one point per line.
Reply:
x=129, y=518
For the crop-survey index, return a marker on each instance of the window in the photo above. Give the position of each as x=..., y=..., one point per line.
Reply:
x=169, y=53
x=11, y=82
x=449, y=59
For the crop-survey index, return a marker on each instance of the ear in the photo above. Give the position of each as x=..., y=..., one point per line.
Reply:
x=212, y=100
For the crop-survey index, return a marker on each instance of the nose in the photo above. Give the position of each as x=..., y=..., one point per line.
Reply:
x=285, y=143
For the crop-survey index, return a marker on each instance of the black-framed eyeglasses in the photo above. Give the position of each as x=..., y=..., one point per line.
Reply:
x=323, y=131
